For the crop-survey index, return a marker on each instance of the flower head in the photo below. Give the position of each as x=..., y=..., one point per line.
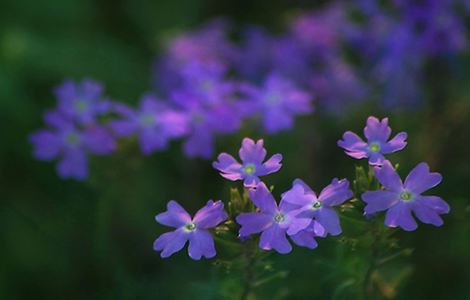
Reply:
x=319, y=208
x=81, y=102
x=400, y=199
x=377, y=133
x=272, y=220
x=252, y=155
x=195, y=230
x=63, y=140
x=154, y=123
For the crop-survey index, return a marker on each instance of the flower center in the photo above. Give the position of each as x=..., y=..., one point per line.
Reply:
x=374, y=147
x=249, y=169
x=316, y=205
x=189, y=227
x=147, y=120
x=406, y=196
x=72, y=139
x=80, y=105
x=273, y=98
x=278, y=218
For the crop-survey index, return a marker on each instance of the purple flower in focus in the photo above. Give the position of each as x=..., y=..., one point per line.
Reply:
x=377, y=133
x=252, y=155
x=195, y=230
x=274, y=222
x=81, y=102
x=278, y=101
x=154, y=123
x=400, y=199
x=70, y=145
x=319, y=208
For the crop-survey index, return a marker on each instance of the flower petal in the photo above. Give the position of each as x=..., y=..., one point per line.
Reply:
x=263, y=199
x=210, y=215
x=399, y=215
x=388, y=177
x=171, y=242
x=336, y=193
x=420, y=179
x=46, y=144
x=253, y=223
x=251, y=152
x=272, y=165
x=201, y=244
x=296, y=195
x=175, y=216
x=73, y=164
x=305, y=239
x=379, y=201
x=328, y=218
x=398, y=142
x=275, y=238
x=376, y=130
x=435, y=203
x=426, y=214
x=354, y=145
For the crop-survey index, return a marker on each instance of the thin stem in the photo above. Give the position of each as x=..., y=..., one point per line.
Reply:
x=249, y=272
x=367, y=284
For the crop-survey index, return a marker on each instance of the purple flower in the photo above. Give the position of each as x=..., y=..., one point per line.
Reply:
x=195, y=230
x=400, y=199
x=70, y=145
x=274, y=222
x=81, y=102
x=252, y=155
x=320, y=208
x=278, y=101
x=377, y=133
x=154, y=123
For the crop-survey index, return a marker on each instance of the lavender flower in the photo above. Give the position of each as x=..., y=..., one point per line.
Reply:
x=252, y=155
x=400, y=199
x=274, y=222
x=154, y=123
x=81, y=102
x=377, y=133
x=278, y=101
x=319, y=209
x=70, y=145
x=195, y=230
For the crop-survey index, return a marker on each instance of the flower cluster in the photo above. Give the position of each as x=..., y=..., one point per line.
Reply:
x=397, y=198
x=301, y=215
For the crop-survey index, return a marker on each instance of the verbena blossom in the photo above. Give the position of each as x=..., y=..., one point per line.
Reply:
x=377, y=133
x=401, y=199
x=155, y=123
x=252, y=155
x=273, y=221
x=62, y=140
x=206, y=102
x=195, y=230
x=81, y=102
x=278, y=101
x=319, y=208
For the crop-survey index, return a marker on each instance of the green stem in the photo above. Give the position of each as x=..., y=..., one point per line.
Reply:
x=367, y=288
x=249, y=272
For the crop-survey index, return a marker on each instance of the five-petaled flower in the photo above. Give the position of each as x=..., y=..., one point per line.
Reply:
x=154, y=123
x=320, y=208
x=70, y=144
x=195, y=230
x=400, y=199
x=273, y=221
x=377, y=134
x=252, y=155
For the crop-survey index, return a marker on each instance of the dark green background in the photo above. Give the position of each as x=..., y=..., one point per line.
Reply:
x=93, y=240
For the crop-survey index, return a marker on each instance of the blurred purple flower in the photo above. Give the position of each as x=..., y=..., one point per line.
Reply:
x=400, y=199
x=274, y=222
x=252, y=155
x=377, y=133
x=278, y=101
x=64, y=141
x=81, y=102
x=154, y=123
x=195, y=230
x=319, y=209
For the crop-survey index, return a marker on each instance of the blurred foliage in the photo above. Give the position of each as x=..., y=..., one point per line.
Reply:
x=93, y=240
